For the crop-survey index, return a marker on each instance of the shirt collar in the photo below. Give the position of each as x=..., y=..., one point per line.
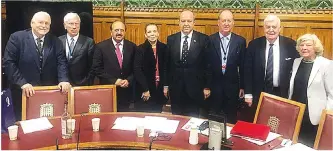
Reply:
x=276, y=42
x=75, y=37
x=35, y=37
x=229, y=36
x=189, y=35
x=115, y=43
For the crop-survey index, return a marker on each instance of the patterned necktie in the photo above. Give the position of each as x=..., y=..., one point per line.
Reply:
x=269, y=68
x=185, y=50
x=118, y=53
x=157, y=73
x=39, y=46
x=71, y=48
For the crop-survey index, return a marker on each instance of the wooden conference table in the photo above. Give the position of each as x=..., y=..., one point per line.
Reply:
x=108, y=138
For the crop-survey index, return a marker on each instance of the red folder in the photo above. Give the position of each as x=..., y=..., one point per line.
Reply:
x=254, y=131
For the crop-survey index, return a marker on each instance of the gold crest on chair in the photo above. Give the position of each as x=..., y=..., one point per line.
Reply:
x=273, y=123
x=46, y=110
x=95, y=108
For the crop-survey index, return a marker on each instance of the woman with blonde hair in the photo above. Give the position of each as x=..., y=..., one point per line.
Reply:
x=311, y=83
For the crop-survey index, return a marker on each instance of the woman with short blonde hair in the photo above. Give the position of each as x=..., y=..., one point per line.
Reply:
x=311, y=83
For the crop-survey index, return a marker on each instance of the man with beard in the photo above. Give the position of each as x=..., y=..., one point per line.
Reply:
x=148, y=71
x=79, y=51
x=187, y=74
x=33, y=57
x=268, y=64
x=227, y=57
x=113, y=64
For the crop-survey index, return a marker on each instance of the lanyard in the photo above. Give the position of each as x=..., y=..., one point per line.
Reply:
x=225, y=51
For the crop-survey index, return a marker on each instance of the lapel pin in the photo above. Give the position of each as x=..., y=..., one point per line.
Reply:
x=194, y=41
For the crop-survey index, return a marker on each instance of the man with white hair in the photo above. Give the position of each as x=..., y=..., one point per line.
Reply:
x=268, y=63
x=79, y=51
x=33, y=57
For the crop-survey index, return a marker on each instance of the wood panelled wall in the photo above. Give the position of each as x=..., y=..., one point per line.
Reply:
x=294, y=23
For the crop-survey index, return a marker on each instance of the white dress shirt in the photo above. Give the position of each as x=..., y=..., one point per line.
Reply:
x=189, y=37
x=226, y=44
x=68, y=42
x=276, y=59
x=121, y=46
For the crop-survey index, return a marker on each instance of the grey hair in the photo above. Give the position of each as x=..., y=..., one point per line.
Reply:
x=317, y=45
x=69, y=16
x=271, y=17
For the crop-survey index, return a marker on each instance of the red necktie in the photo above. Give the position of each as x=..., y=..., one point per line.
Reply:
x=157, y=73
x=118, y=53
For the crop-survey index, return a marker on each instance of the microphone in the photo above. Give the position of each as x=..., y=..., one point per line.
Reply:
x=78, y=132
x=152, y=137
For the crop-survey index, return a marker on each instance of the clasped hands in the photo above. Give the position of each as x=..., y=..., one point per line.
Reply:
x=206, y=92
x=122, y=83
x=29, y=91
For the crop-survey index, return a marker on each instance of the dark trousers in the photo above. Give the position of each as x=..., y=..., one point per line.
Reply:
x=185, y=105
x=124, y=97
x=308, y=131
x=222, y=103
x=150, y=106
x=17, y=103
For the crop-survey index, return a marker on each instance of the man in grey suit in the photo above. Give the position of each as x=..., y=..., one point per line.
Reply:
x=79, y=51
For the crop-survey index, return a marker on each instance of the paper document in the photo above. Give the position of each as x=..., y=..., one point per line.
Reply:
x=34, y=125
x=297, y=146
x=161, y=124
x=271, y=136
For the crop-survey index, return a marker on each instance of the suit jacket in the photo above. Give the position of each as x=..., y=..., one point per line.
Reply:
x=233, y=78
x=145, y=69
x=320, y=87
x=21, y=60
x=196, y=74
x=255, y=66
x=80, y=63
x=106, y=67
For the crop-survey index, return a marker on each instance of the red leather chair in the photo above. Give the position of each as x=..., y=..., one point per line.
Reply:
x=48, y=101
x=324, y=136
x=283, y=116
x=93, y=99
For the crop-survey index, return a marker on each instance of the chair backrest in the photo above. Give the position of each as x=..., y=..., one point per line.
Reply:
x=48, y=101
x=283, y=116
x=93, y=99
x=324, y=136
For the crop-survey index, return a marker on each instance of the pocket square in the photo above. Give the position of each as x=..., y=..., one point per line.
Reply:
x=287, y=58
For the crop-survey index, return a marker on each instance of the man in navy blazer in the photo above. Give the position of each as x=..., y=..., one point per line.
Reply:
x=227, y=61
x=34, y=58
x=268, y=64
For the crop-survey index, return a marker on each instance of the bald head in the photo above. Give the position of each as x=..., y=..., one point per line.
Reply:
x=225, y=22
x=272, y=27
x=40, y=24
x=186, y=22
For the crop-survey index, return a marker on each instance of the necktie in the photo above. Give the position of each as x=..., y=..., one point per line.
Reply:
x=39, y=46
x=71, y=48
x=118, y=53
x=185, y=50
x=157, y=73
x=269, y=69
x=224, y=53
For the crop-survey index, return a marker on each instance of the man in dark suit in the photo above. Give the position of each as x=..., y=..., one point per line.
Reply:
x=148, y=71
x=227, y=57
x=268, y=64
x=113, y=64
x=34, y=58
x=187, y=68
x=79, y=51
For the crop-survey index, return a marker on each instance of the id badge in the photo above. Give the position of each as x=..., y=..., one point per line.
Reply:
x=157, y=78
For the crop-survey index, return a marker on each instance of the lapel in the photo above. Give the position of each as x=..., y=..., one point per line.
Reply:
x=262, y=51
x=314, y=70
x=232, y=47
x=283, y=52
x=193, y=52
x=296, y=64
x=126, y=54
x=46, y=48
x=33, y=48
x=217, y=44
x=78, y=46
x=176, y=46
x=113, y=55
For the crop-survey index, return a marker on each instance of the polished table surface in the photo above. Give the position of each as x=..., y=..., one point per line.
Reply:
x=115, y=139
